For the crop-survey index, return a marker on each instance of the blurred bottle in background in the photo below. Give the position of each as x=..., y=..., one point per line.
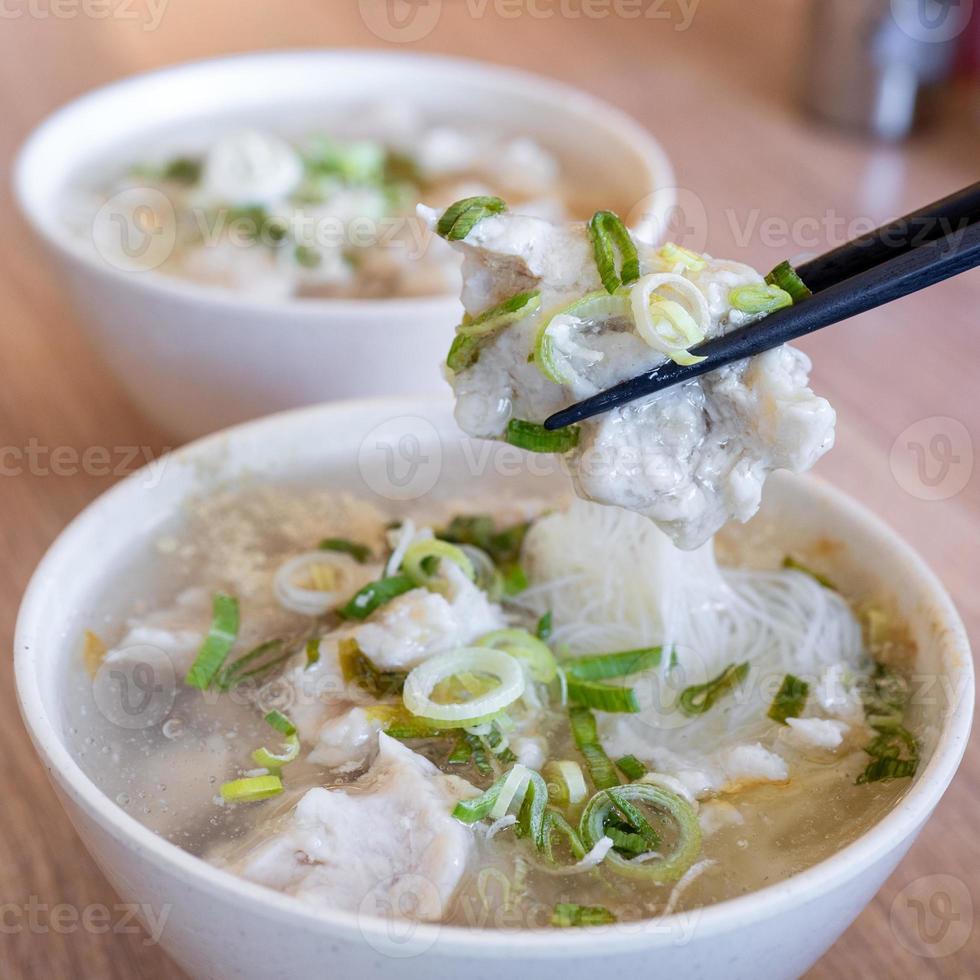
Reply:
x=877, y=66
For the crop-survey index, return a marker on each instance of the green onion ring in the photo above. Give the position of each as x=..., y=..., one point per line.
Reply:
x=609, y=801
x=608, y=233
x=459, y=219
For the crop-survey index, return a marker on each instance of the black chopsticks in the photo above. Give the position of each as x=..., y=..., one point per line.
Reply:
x=932, y=244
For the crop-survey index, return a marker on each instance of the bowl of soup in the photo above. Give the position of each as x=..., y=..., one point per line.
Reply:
x=343, y=686
x=239, y=236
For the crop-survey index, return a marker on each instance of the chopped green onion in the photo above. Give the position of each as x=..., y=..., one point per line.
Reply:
x=786, y=277
x=502, y=315
x=183, y=170
x=696, y=700
x=622, y=800
x=476, y=331
x=543, y=629
x=525, y=647
x=251, y=789
x=531, y=820
x=374, y=595
x=674, y=255
x=478, y=807
x=312, y=651
x=418, y=553
x=603, y=697
x=464, y=352
x=634, y=819
x=888, y=767
x=586, y=736
x=555, y=823
x=759, y=298
x=459, y=219
x=273, y=760
x=217, y=644
x=626, y=842
x=608, y=233
x=461, y=752
x=235, y=673
x=790, y=562
x=480, y=531
x=482, y=662
x=515, y=579
x=549, y=359
x=631, y=767
x=602, y=666
x=357, y=669
x=566, y=783
x=537, y=439
x=568, y=915
x=790, y=699
x=359, y=552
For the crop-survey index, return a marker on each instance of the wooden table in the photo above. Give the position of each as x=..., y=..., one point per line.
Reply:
x=719, y=93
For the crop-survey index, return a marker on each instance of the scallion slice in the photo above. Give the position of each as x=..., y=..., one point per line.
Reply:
x=251, y=789
x=586, y=736
x=786, y=277
x=603, y=666
x=674, y=255
x=416, y=561
x=374, y=595
x=459, y=219
x=479, y=661
x=245, y=667
x=603, y=697
x=273, y=760
x=888, y=767
x=568, y=915
x=543, y=629
x=312, y=651
x=478, y=807
x=359, y=552
x=565, y=781
x=531, y=820
x=609, y=235
x=400, y=723
x=759, y=298
x=617, y=802
x=525, y=647
x=502, y=315
x=217, y=644
x=631, y=767
x=790, y=699
x=555, y=823
x=537, y=439
x=699, y=698
x=464, y=352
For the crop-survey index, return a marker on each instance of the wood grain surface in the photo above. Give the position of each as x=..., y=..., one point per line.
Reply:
x=719, y=91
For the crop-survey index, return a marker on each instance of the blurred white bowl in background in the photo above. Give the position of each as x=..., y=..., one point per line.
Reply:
x=195, y=357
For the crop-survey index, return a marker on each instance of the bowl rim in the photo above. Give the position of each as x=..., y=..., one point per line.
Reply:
x=659, y=171
x=899, y=825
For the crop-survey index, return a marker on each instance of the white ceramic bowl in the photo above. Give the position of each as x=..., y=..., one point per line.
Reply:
x=219, y=926
x=197, y=358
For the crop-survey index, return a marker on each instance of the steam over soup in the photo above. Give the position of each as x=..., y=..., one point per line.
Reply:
x=526, y=718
